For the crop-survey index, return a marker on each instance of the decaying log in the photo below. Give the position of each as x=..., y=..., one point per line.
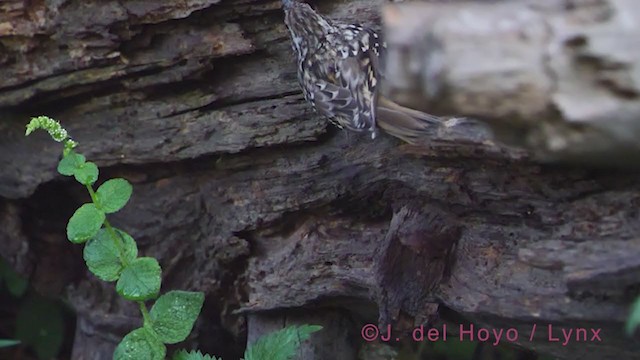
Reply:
x=561, y=78
x=413, y=260
x=242, y=192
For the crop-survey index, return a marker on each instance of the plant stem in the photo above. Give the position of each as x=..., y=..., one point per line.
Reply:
x=92, y=194
x=146, y=319
x=116, y=238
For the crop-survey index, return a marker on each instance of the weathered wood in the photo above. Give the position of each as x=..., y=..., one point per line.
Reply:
x=412, y=262
x=243, y=193
x=15, y=243
x=560, y=78
x=502, y=214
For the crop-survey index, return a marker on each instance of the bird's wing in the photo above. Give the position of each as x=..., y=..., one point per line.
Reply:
x=347, y=91
x=354, y=74
x=336, y=103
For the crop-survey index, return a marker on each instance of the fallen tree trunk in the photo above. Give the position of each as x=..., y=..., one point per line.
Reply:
x=243, y=193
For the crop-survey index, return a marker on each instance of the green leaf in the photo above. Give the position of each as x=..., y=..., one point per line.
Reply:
x=70, y=163
x=16, y=284
x=6, y=343
x=193, y=355
x=85, y=223
x=141, y=343
x=280, y=345
x=102, y=255
x=174, y=314
x=113, y=195
x=87, y=173
x=39, y=323
x=634, y=318
x=140, y=280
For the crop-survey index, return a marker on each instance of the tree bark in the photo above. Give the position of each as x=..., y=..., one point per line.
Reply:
x=242, y=192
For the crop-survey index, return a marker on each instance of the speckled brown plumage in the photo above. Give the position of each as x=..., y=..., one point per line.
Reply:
x=339, y=67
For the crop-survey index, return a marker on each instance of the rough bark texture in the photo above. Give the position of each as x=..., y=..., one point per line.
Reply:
x=561, y=78
x=242, y=192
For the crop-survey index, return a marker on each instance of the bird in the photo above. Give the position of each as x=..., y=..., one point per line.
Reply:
x=339, y=67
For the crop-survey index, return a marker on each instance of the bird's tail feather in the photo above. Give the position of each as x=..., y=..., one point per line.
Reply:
x=416, y=127
x=406, y=124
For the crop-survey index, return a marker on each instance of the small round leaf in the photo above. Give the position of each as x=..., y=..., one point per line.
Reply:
x=86, y=174
x=103, y=257
x=85, y=223
x=113, y=195
x=140, y=280
x=16, y=284
x=70, y=163
x=174, y=314
x=141, y=343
